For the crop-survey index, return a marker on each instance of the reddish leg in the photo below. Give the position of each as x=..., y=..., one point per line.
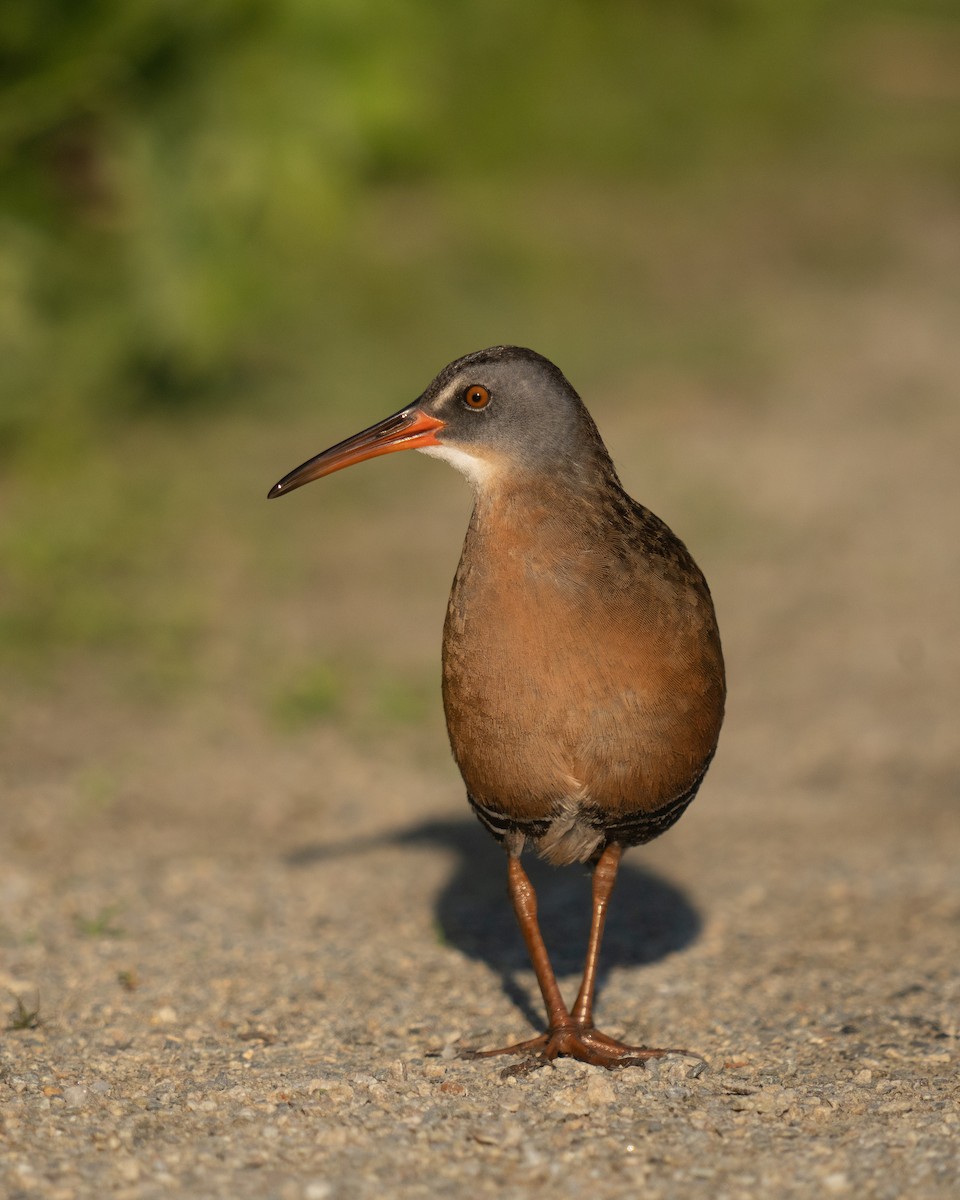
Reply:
x=604, y=877
x=568, y=1034
x=524, y=900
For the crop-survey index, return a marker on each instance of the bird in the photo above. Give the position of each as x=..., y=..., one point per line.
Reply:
x=583, y=679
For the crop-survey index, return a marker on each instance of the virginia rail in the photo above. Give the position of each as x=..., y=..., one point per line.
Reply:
x=583, y=681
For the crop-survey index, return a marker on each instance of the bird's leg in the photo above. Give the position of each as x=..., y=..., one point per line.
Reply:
x=525, y=906
x=569, y=1035
x=604, y=877
x=607, y=1051
x=524, y=900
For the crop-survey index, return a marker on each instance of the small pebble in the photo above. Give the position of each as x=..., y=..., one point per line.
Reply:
x=600, y=1091
x=75, y=1096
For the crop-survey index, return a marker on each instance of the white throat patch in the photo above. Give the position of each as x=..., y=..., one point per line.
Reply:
x=477, y=470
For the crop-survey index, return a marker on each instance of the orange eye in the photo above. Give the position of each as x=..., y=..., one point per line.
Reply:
x=476, y=396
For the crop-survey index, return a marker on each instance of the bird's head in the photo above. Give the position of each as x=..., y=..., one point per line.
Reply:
x=505, y=409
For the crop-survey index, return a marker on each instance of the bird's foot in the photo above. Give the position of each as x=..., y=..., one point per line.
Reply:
x=583, y=1043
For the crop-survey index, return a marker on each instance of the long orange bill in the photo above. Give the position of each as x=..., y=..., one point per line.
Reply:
x=408, y=429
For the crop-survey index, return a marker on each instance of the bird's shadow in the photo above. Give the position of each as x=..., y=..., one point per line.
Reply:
x=648, y=919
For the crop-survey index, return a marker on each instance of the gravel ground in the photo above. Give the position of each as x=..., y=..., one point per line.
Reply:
x=256, y=958
x=285, y=1019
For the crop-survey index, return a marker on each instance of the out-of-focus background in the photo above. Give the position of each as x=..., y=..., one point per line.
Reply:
x=234, y=232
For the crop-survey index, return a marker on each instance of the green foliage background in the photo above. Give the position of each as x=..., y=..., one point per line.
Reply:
x=219, y=215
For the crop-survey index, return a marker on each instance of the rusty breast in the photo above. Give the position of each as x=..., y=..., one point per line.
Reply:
x=581, y=656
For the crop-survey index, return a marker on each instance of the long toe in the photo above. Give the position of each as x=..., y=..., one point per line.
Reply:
x=587, y=1045
x=527, y=1047
x=603, y=1043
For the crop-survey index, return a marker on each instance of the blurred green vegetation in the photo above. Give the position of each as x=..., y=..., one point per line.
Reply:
x=217, y=216
x=102, y=925
x=316, y=694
